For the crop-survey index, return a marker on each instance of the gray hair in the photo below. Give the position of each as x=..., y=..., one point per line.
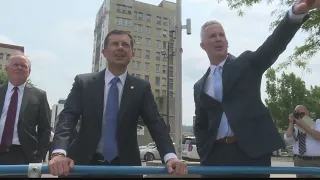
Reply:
x=22, y=55
x=205, y=25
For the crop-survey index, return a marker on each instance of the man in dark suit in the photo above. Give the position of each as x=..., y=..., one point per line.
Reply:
x=232, y=125
x=25, y=117
x=110, y=103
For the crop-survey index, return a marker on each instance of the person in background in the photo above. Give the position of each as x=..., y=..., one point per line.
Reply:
x=306, y=142
x=25, y=116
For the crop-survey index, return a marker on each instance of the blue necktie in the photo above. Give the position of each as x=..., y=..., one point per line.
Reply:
x=110, y=147
x=218, y=84
x=218, y=89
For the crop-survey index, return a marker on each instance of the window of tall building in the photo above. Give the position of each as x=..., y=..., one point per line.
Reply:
x=140, y=16
x=170, y=83
x=124, y=9
x=148, y=41
x=157, y=68
x=165, y=33
x=165, y=21
x=148, y=18
x=1, y=55
x=139, y=28
x=123, y=22
x=164, y=69
x=147, y=67
x=158, y=44
x=158, y=81
x=137, y=39
x=138, y=76
x=158, y=20
x=148, y=54
x=158, y=56
x=164, y=45
x=148, y=30
x=164, y=81
x=146, y=77
x=8, y=56
x=159, y=32
x=164, y=93
x=138, y=65
x=170, y=93
x=138, y=53
x=157, y=92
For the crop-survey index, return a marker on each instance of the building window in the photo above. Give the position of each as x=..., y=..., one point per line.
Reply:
x=148, y=18
x=170, y=71
x=159, y=32
x=165, y=33
x=158, y=20
x=158, y=81
x=124, y=9
x=8, y=56
x=147, y=67
x=137, y=40
x=157, y=68
x=164, y=82
x=140, y=16
x=158, y=56
x=148, y=54
x=157, y=92
x=138, y=65
x=1, y=55
x=148, y=30
x=164, y=45
x=170, y=93
x=148, y=41
x=139, y=28
x=123, y=22
x=146, y=77
x=159, y=44
x=165, y=21
x=164, y=93
x=138, y=53
x=138, y=76
x=170, y=83
x=164, y=69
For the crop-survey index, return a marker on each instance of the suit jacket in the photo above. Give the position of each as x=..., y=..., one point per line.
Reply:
x=87, y=99
x=33, y=123
x=249, y=119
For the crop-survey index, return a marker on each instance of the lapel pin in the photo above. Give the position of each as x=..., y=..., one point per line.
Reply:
x=132, y=87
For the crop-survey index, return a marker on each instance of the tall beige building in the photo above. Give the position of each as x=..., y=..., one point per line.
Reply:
x=6, y=50
x=149, y=26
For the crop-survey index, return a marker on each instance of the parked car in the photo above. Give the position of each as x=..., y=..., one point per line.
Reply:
x=189, y=149
x=153, y=144
x=149, y=154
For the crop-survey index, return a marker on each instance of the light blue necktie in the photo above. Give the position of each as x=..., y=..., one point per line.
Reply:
x=217, y=86
x=110, y=147
x=218, y=91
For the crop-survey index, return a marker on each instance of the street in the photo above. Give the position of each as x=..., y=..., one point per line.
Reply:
x=277, y=162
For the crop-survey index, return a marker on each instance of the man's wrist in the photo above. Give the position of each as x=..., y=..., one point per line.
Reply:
x=57, y=154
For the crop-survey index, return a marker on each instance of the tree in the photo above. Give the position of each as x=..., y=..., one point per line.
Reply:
x=4, y=78
x=302, y=54
x=283, y=95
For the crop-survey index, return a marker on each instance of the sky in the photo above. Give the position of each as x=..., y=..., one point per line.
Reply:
x=58, y=38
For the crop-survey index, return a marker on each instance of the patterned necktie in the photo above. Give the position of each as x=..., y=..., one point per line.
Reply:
x=110, y=146
x=217, y=84
x=302, y=143
x=6, y=140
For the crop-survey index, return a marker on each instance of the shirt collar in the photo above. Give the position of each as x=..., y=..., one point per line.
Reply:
x=109, y=76
x=11, y=86
x=213, y=67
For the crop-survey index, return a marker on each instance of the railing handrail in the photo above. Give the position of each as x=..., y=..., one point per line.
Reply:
x=36, y=169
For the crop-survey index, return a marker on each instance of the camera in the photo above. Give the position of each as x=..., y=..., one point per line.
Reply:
x=297, y=115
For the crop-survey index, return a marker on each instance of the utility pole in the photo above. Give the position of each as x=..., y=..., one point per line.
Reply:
x=178, y=96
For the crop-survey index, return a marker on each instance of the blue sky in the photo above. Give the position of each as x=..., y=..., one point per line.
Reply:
x=58, y=38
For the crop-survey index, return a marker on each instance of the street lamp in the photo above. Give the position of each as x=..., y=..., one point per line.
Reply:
x=169, y=55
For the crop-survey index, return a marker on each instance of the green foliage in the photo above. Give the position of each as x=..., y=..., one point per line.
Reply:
x=285, y=93
x=4, y=78
x=302, y=54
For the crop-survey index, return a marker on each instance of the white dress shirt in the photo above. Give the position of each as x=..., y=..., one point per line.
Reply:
x=209, y=88
x=4, y=113
x=312, y=145
x=108, y=77
x=51, y=137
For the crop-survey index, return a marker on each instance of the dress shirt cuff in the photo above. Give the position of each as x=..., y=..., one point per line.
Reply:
x=296, y=17
x=169, y=156
x=288, y=139
x=60, y=151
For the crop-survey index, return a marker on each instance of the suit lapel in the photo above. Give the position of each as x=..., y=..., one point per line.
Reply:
x=3, y=92
x=98, y=90
x=128, y=90
x=230, y=73
x=26, y=95
x=206, y=100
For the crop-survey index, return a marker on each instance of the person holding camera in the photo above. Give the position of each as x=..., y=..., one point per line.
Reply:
x=305, y=137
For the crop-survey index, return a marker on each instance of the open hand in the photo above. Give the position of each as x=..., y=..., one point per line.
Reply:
x=177, y=167
x=304, y=6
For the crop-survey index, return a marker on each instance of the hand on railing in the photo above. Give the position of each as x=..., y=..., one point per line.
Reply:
x=60, y=165
x=177, y=167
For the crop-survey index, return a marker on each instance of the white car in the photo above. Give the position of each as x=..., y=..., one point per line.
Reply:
x=189, y=149
x=149, y=154
x=147, y=146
